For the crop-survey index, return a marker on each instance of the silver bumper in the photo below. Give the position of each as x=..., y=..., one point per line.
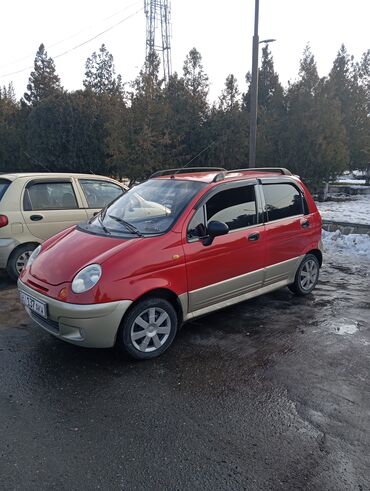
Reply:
x=92, y=326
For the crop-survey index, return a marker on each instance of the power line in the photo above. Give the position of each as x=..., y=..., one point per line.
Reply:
x=14, y=62
x=78, y=45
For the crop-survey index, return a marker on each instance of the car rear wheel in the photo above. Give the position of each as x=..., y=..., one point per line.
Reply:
x=18, y=259
x=149, y=329
x=307, y=276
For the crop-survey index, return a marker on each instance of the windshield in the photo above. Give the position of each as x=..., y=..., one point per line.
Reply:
x=3, y=187
x=147, y=209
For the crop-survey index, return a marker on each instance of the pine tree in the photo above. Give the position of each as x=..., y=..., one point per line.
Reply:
x=315, y=142
x=230, y=97
x=227, y=127
x=271, y=113
x=345, y=83
x=10, y=130
x=196, y=84
x=43, y=81
x=145, y=132
x=196, y=80
x=100, y=73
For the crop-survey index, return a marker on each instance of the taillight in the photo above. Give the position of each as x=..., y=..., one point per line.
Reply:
x=3, y=221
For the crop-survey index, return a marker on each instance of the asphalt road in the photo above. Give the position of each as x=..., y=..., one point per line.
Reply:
x=271, y=394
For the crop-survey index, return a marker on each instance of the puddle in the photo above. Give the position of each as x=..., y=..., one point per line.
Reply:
x=346, y=326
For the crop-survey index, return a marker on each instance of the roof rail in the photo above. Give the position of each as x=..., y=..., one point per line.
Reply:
x=182, y=170
x=221, y=175
x=282, y=170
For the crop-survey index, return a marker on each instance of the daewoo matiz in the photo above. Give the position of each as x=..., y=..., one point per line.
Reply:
x=182, y=244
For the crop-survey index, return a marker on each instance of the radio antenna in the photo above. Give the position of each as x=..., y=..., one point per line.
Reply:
x=197, y=155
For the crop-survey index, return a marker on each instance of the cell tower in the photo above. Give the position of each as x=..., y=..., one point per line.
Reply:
x=158, y=31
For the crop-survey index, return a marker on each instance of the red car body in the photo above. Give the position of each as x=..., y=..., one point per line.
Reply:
x=135, y=267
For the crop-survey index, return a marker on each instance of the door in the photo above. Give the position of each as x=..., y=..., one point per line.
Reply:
x=233, y=264
x=98, y=193
x=287, y=230
x=50, y=206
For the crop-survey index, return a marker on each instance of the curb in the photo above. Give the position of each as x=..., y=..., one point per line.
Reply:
x=346, y=227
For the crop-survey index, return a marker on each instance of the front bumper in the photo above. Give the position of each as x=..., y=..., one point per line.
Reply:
x=92, y=326
x=7, y=246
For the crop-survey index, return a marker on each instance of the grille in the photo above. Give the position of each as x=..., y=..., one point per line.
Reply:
x=47, y=324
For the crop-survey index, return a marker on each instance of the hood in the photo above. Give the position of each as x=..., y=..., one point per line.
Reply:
x=60, y=260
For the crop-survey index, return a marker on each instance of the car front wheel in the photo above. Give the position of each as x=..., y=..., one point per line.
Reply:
x=148, y=329
x=307, y=276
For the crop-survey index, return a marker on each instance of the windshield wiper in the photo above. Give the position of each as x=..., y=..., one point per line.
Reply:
x=131, y=228
x=100, y=218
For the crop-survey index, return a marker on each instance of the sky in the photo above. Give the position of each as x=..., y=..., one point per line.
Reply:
x=221, y=30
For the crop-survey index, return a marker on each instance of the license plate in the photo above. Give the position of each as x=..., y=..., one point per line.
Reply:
x=36, y=306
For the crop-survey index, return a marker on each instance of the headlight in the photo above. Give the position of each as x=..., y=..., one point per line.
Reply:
x=86, y=278
x=33, y=256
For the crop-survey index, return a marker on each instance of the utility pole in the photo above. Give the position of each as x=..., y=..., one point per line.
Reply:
x=254, y=91
x=158, y=32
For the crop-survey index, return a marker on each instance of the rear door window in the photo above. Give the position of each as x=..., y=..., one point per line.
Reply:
x=282, y=200
x=99, y=193
x=4, y=184
x=50, y=196
x=236, y=207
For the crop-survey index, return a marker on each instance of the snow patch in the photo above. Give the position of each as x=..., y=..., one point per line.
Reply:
x=343, y=180
x=355, y=210
x=352, y=243
x=346, y=326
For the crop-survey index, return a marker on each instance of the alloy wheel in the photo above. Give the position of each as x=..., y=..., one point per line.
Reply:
x=308, y=275
x=151, y=329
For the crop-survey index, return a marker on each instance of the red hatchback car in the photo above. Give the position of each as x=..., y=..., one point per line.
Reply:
x=180, y=245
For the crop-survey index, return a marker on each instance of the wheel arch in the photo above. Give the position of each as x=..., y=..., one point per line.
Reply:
x=19, y=246
x=317, y=253
x=165, y=294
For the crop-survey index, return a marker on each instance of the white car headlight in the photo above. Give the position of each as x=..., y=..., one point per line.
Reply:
x=86, y=278
x=33, y=256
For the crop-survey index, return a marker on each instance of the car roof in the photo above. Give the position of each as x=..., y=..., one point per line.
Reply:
x=218, y=175
x=12, y=176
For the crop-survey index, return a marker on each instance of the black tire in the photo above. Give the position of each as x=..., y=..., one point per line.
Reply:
x=12, y=267
x=306, y=276
x=149, y=334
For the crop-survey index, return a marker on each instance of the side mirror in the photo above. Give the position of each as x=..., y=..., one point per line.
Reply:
x=215, y=229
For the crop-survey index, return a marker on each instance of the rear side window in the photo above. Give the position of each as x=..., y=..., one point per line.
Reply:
x=99, y=193
x=282, y=201
x=4, y=184
x=50, y=196
x=236, y=207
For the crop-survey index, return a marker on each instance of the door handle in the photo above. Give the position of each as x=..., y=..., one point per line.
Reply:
x=36, y=218
x=305, y=224
x=254, y=237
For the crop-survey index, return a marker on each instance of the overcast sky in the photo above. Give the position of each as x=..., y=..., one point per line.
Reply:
x=221, y=30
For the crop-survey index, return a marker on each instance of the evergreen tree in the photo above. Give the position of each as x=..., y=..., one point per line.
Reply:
x=271, y=114
x=196, y=80
x=68, y=133
x=145, y=132
x=228, y=129
x=230, y=97
x=100, y=73
x=10, y=130
x=43, y=81
x=315, y=142
x=345, y=83
x=196, y=84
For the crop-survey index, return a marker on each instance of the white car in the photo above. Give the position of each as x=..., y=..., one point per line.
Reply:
x=36, y=206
